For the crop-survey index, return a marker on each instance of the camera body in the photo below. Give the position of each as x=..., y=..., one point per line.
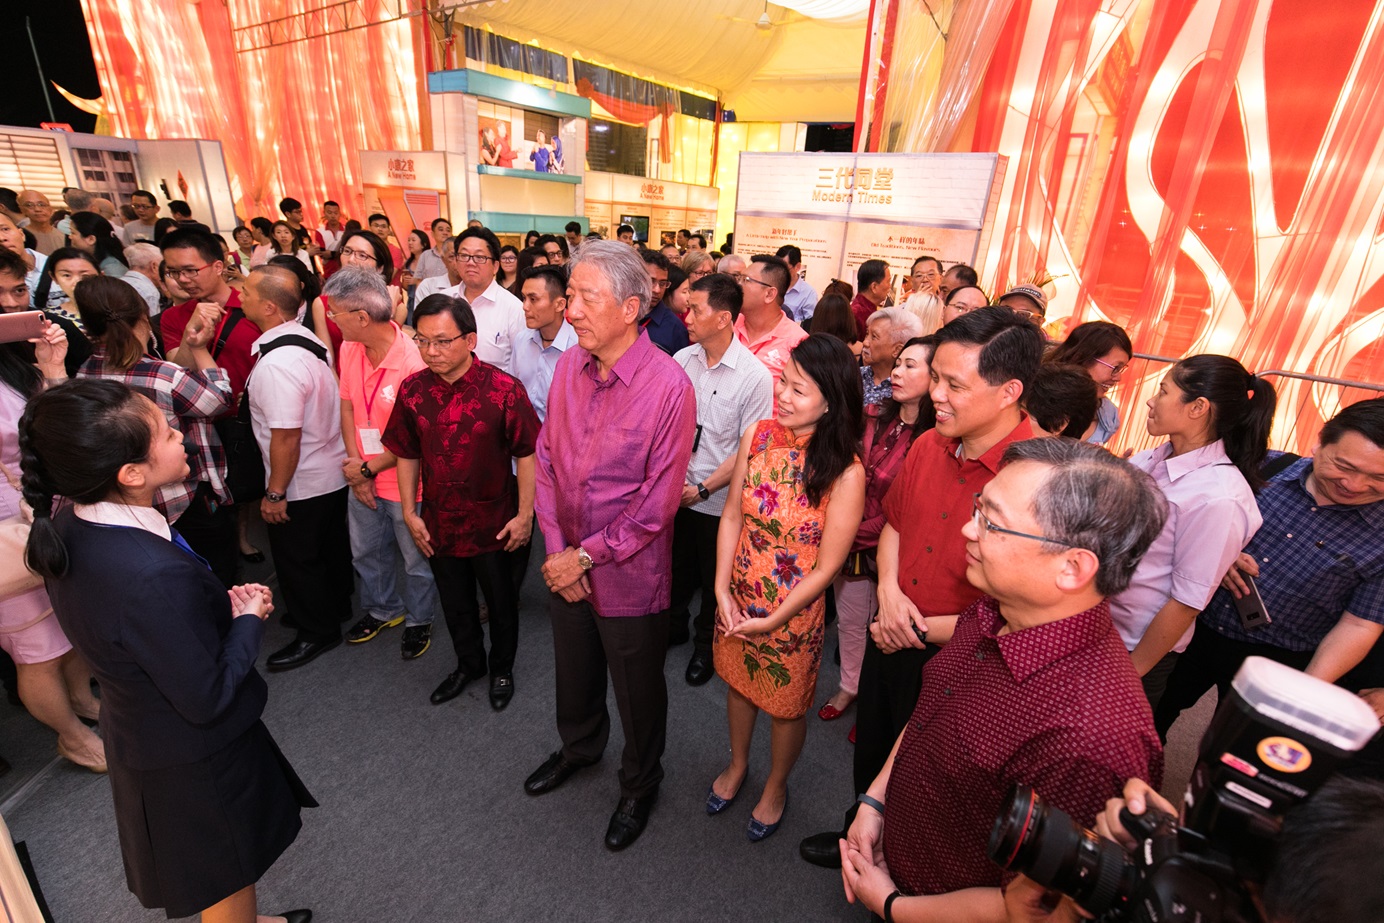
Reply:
x=1274, y=740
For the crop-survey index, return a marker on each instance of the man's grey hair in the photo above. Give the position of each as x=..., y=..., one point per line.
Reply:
x=143, y=255
x=78, y=200
x=356, y=288
x=730, y=259
x=1093, y=500
x=903, y=325
x=622, y=267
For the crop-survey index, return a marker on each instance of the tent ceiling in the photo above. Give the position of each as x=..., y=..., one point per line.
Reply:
x=799, y=70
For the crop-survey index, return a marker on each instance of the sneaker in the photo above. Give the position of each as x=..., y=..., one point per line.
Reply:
x=368, y=627
x=417, y=639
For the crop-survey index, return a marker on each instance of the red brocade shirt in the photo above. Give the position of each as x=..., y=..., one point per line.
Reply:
x=1057, y=706
x=465, y=434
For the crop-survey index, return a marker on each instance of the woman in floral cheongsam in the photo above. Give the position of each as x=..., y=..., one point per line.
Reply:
x=802, y=491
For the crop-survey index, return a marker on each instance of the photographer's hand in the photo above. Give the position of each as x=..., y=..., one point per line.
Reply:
x=1139, y=796
x=1026, y=901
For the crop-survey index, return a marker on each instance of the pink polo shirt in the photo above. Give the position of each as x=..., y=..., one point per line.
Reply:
x=372, y=391
x=773, y=348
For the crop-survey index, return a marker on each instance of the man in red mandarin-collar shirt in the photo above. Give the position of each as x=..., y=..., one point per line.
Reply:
x=1034, y=687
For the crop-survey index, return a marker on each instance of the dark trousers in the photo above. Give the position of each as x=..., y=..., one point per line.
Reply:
x=632, y=649
x=457, y=579
x=1211, y=660
x=209, y=528
x=312, y=556
x=889, y=688
x=694, y=567
x=519, y=563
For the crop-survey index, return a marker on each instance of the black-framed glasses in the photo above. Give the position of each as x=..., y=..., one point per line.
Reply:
x=754, y=280
x=473, y=258
x=980, y=519
x=440, y=343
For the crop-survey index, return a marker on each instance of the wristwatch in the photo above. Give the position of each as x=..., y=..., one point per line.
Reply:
x=366, y=473
x=584, y=559
x=703, y=492
x=273, y=497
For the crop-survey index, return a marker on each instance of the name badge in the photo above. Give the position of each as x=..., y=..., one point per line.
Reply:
x=370, y=442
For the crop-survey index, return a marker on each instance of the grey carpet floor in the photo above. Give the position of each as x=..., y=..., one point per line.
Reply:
x=424, y=817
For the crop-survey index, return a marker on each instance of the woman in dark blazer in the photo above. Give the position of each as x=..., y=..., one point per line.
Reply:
x=204, y=801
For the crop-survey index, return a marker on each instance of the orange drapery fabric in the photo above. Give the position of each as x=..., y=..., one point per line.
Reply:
x=290, y=118
x=1196, y=170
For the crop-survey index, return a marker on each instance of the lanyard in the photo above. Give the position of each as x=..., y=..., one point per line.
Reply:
x=364, y=374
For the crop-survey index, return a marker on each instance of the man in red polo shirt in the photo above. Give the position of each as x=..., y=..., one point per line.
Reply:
x=981, y=368
x=1033, y=687
x=193, y=260
x=873, y=281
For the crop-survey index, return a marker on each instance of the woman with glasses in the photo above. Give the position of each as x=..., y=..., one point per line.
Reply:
x=698, y=264
x=508, y=276
x=1103, y=349
x=364, y=250
x=1216, y=417
x=244, y=251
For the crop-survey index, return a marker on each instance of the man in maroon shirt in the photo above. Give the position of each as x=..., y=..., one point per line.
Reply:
x=1033, y=687
x=874, y=281
x=459, y=423
x=981, y=368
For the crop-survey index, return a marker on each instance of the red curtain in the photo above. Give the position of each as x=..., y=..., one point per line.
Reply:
x=634, y=113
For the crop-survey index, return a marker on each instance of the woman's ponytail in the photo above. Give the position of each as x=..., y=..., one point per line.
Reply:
x=1242, y=408
x=45, y=554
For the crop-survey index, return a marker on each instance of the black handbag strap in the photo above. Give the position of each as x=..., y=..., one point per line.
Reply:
x=235, y=317
x=1278, y=464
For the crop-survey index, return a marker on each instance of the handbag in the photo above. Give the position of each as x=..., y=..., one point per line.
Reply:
x=15, y=576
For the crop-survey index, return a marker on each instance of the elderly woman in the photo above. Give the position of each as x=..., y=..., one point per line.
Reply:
x=886, y=331
x=698, y=264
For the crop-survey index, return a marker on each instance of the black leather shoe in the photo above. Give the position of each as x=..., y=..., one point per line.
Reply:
x=450, y=687
x=630, y=817
x=501, y=691
x=822, y=849
x=550, y=776
x=298, y=653
x=700, y=668
x=296, y=916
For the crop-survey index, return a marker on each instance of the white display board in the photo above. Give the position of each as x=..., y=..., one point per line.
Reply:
x=844, y=209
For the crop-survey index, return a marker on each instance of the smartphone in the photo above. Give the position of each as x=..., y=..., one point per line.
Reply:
x=1253, y=613
x=21, y=326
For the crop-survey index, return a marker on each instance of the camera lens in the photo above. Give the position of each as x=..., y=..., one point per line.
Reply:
x=1042, y=842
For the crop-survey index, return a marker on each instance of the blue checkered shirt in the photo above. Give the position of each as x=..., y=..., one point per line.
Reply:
x=1315, y=562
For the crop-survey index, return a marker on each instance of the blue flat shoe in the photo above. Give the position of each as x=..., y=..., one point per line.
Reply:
x=715, y=804
x=758, y=830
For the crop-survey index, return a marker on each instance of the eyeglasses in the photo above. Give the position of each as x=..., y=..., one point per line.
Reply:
x=980, y=519
x=737, y=276
x=752, y=279
x=439, y=344
x=347, y=311
x=361, y=255
x=187, y=272
x=473, y=258
x=702, y=273
x=554, y=254
x=509, y=258
x=1115, y=370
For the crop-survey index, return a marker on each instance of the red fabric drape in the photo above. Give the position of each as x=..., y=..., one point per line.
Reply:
x=635, y=113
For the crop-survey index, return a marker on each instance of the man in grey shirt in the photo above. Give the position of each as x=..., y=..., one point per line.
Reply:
x=734, y=391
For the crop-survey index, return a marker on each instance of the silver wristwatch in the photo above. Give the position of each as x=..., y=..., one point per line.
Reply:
x=584, y=559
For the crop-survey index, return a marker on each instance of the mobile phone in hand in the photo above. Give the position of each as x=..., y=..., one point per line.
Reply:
x=1253, y=613
x=21, y=326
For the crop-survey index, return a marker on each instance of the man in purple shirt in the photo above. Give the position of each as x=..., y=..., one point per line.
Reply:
x=611, y=461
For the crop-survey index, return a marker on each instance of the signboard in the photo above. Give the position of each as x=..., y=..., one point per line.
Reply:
x=844, y=209
x=408, y=186
x=668, y=206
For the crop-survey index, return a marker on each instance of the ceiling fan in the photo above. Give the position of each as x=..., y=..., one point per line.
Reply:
x=763, y=23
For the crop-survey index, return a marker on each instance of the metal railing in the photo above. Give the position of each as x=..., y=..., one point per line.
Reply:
x=1283, y=373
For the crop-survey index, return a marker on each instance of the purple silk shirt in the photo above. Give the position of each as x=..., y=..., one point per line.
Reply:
x=611, y=462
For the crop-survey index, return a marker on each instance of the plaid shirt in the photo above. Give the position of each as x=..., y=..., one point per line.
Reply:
x=1315, y=562
x=190, y=400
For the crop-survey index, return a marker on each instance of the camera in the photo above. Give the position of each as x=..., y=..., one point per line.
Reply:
x=1274, y=740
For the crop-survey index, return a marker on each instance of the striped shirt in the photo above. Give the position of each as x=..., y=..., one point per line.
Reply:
x=190, y=400
x=1315, y=562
